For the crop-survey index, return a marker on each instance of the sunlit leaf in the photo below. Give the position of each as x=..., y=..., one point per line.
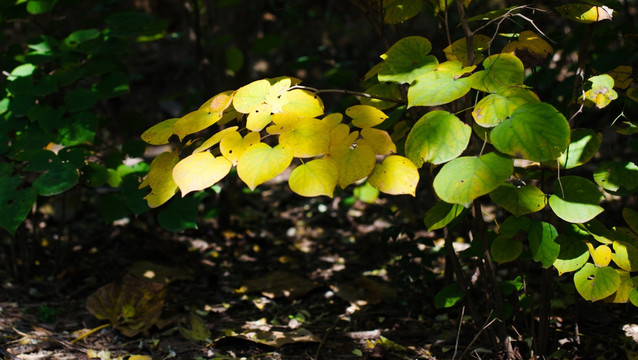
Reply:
x=530, y=48
x=576, y=199
x=354, y=163
x=276, y=97
x=366, y=193
x=602, y=91
x=442, y=214
x=572, y=256
x=542, y=245
x=216, y=138
x=259, y=117
x=584, y=144
x=519, y=200
x=600, y=255
x=616, y=176
x=437, y=137
x=598, y=231
x=437, y=88
x=627, y=285
x=314, y=178
x=398, y=11
x=160, y=179
x=495, y=14
x=406, y=60
x=194, y=121
x=302, y=103
x=379, y=140
x=332, y=120
x=260, y=163
x=220, y=102
x=536, y=132
x=465, y=178
x=585, y=13
x=365, y=116
x=500, y=70
x=496, y=107
x=625, y=255
x=458, y=49
x=159, y=134
x=200, y=171
x=308, y=138
x=448, y=296
x=233, y=145
x=395, y=175
x=505, y=249
x=284, y=121
x=596, y=283
x=385, y=90
x=622, y=76
x=247, y=98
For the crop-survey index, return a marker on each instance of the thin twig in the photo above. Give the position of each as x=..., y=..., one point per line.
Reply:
x=458, y=333
x=347, y=92
x=483, y=328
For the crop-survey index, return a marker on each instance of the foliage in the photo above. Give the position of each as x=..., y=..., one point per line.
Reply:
x=479, y=126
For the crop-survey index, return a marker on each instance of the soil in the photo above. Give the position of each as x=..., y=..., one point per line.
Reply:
x=279, y=277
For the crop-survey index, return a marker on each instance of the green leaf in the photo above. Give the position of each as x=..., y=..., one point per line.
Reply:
x=585, y=13
x=406, y=60
x=36, y=7
x=395, y=175
x=234, y=59
x=583, y=146
x=180, y=214
x=625, y=255
x=536, y=132
x=594, y=283
x=541, y=237
x=437, y=88
x=602, y=91
x=576, y=199
x=79, y=36
x=442, y=214
x=398, y=11
x=112, y=207
x=15, y=205
x=617, y=176
x=598, y=231
x=200, y=171
x=80, y=128
x=437, y=137
x=46, y=117
x=24, y=70
x=572, y=256
x=463, y=179
x=386, y=90
x=314, y=178
x=81, y=99
x=631, y=218
x=500, y=70
x=260, y=163
x=366, y=193
x=458, y=49
x=448, y=296
x=57, y=180
x=520, y=200
x=494, y=108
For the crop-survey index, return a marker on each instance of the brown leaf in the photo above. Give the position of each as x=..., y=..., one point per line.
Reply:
x=131, y=305
x=279, y=284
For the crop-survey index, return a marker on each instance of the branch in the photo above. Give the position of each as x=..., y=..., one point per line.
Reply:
x=348, y=92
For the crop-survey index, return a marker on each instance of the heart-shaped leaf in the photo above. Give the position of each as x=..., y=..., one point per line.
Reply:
x=365, y=116
x=576, y=199
x=314, y=178
x=233, y=145
x=159, y=134
x=260, y=163
x=395, y=175
x=596, y=283
x=406, y=60
x=572, y=256
x=519, y=200
x=500, y=70
x=200, y=171
x=494, y=108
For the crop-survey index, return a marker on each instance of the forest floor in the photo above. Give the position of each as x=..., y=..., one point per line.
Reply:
x=287, y=278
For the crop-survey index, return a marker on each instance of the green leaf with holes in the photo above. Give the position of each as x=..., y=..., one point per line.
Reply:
x=465, y=178
x=576, y=199
x=536, y=132
x=436, y=138
x=596, y=283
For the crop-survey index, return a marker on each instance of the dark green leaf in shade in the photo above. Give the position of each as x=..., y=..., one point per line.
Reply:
x=79, y=36
x=46, y=117
x=113, y=85
x=631, y=218
x=93, y=175
x=78, y=129
x=112, y=207
x=81, y=99
x=45, y=85
x=443, y=214
x=57, y=180
x=541, y=237
x=234, y=59
x=14, y=210
x=74, y=155
x=36, y=7
x=575, y=199
x=132, y=195
x=448, y=296
x=519, y=200
x=39, y=160
x=505, y=249
x=179, y=214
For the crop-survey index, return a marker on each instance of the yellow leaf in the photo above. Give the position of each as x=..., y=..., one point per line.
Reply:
x=219, y=102
x=332, y=120
x=247, y=98
x=341, y=134
x=585, y=13
x=260, y=163
x=213, y=140
x=140, y=357
x=233, y=145
x=160, y=179
x=314, y=178
x=395, y=175
x=458, y=49
x=378, y=140
x=159, y=133
x=354, y=163
x=283, y=122
x=200, y=171
x=194, y=121
x=259, y=117
x=601, y=255
x=530, y=48
x=308, y=138
x=276, y=95
x=302, y=103
x=365, y=116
